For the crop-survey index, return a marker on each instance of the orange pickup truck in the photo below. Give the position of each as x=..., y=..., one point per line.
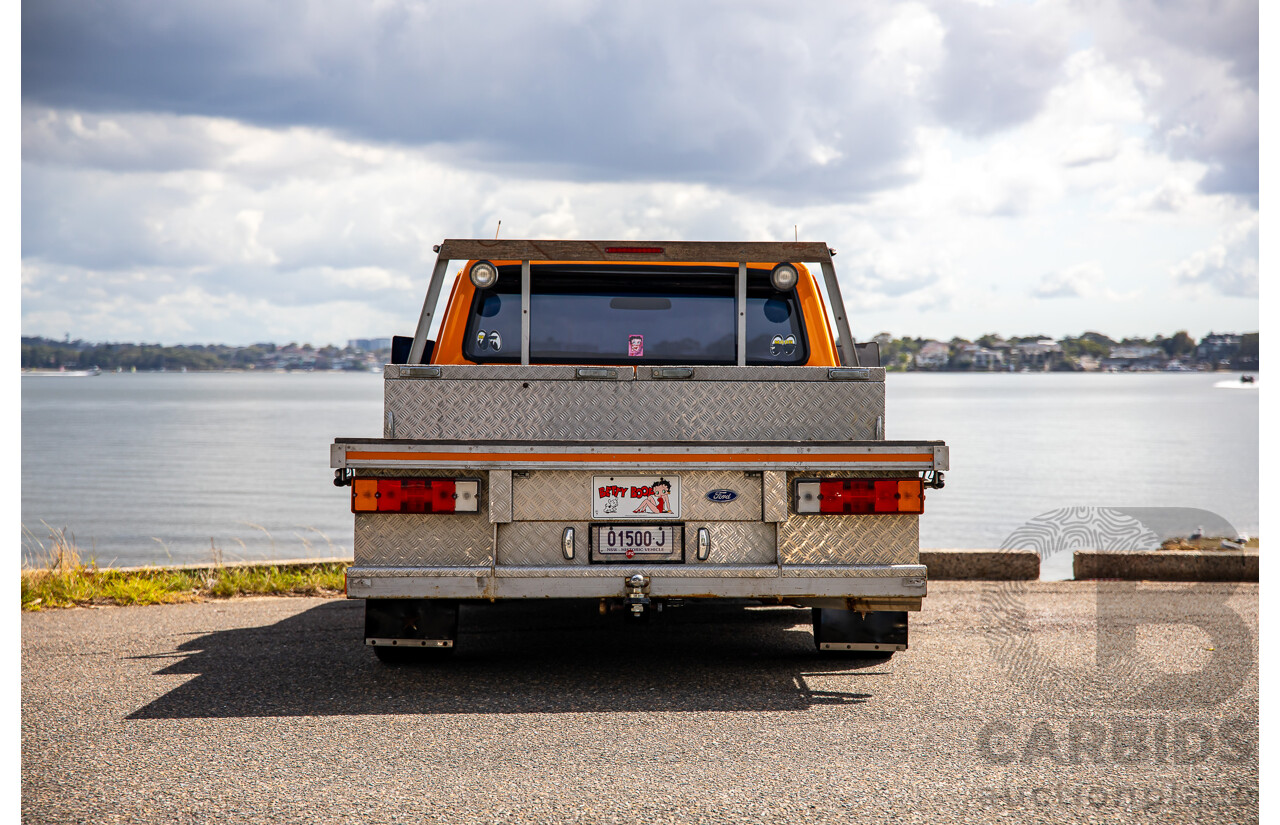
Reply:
x=640, y=424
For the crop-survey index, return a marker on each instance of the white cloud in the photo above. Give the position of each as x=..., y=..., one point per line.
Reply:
x=1229, y=266
x=1197, y=68
x=1001, y=62
x=1086, y=280
x=955, y=154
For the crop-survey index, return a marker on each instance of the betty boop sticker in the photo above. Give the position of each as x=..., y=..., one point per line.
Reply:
x=635, y=345
x=657, y=502
x=622, y=497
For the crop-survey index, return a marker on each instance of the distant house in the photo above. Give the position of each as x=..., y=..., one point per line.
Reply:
x=987, y=359
x=933, y=355
x=1135, y=358
x=1044, y=354
x=1214, y=347
x=1088, y=363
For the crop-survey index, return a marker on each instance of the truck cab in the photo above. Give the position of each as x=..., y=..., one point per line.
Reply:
x=639, y=424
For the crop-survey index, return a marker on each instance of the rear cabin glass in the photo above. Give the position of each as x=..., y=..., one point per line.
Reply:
x=648, y=315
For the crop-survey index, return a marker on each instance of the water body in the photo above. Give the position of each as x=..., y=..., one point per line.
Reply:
x=148, y=468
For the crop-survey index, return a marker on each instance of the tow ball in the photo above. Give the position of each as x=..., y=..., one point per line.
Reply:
x=637, y=593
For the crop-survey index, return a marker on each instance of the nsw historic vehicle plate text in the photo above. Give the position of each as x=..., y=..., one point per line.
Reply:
x=636, y=542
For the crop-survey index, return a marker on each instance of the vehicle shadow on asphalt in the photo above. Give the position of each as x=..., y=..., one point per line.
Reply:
x=544, y=657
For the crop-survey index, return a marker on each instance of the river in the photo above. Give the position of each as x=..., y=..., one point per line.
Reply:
x=193, y=467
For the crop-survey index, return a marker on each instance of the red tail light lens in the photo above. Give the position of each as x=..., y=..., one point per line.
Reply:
x=859, y=496
x=415, y=495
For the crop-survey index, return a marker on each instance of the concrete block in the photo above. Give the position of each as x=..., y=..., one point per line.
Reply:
x=994, y=565
x=1167, y=565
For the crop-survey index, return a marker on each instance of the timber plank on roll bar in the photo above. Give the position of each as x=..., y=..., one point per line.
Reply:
x=635, y=422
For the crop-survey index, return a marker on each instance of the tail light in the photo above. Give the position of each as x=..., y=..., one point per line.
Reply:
x=859, y=496
x=415, y=495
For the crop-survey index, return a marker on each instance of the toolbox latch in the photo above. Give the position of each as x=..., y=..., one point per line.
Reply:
x=418, y=371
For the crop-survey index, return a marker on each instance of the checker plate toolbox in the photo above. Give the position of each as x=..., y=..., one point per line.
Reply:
x=630, y=480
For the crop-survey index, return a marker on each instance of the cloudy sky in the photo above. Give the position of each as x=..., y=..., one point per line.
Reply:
x=238, y=171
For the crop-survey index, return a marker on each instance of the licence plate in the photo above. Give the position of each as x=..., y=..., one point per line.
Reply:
x=645, y=542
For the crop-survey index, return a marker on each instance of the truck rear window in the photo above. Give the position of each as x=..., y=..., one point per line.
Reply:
x=584, y=314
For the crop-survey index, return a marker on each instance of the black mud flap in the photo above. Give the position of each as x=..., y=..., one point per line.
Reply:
x=882, y=631
x=410, y=623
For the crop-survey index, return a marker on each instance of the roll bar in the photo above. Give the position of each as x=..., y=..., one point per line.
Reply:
x=527, y=251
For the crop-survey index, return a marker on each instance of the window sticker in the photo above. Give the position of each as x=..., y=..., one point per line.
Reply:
x=782, y=346
x=490, y=340
x=635, y=345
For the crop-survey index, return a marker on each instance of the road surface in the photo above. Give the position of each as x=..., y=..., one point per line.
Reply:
x=1045, y=701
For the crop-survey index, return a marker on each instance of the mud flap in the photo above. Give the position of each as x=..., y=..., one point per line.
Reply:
x=410, y=623
x=882, y=631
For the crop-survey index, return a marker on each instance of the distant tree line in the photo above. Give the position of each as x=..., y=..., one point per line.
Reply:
x=895, y=353
x=1068, y=353
x=47, y=353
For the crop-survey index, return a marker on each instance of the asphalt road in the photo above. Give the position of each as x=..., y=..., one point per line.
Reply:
x=1010, y=705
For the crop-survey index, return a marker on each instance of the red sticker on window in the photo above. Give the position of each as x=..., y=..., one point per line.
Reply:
x=635, y=345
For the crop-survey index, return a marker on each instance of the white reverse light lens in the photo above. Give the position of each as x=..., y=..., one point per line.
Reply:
x=483, y=274
x=784, y=277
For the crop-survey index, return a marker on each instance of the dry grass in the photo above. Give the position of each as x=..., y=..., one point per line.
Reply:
x=1203, y=543
x=58, y=577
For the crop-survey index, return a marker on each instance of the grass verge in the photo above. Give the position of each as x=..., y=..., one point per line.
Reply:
x=65, y=581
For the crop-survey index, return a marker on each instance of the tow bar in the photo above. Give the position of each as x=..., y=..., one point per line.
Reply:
x=637, y=593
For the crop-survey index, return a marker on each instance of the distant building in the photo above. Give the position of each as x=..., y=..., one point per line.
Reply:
x=1135, y=358
x=987, y=359
x=369, y=344
x=933, y=355
x=1044, y=354
x=1135, y=353
x=1214, y=347
x=1088, y=363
